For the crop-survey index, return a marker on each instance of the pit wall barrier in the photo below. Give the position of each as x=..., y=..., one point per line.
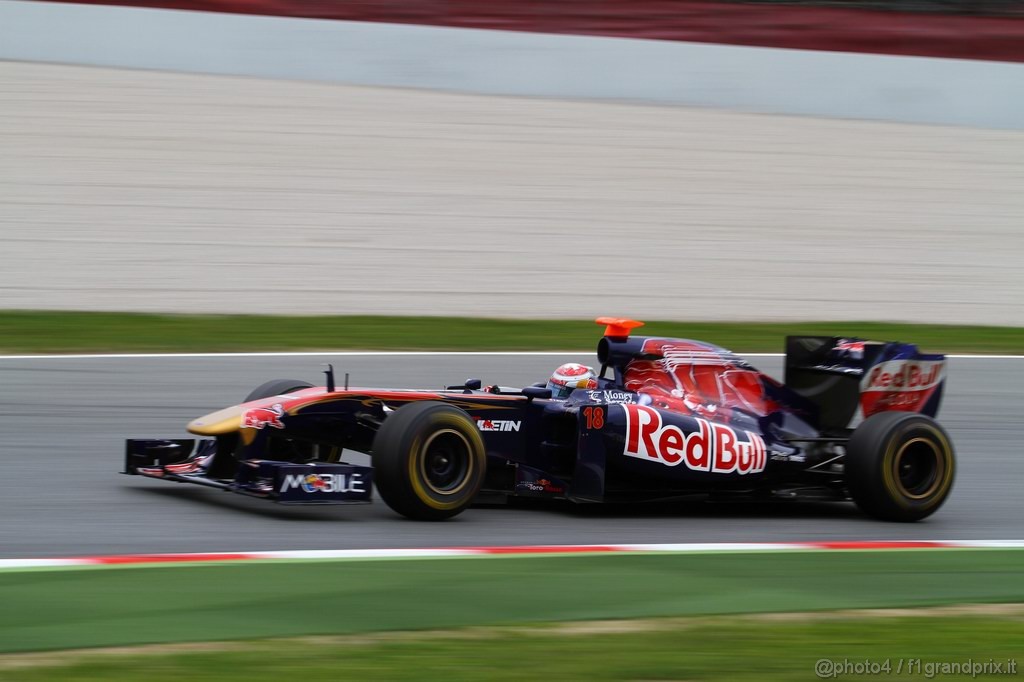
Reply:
x=770, y=80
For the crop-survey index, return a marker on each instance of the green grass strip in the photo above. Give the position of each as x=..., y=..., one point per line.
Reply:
x=85, y=332
x=699, y=649
x=65, y=609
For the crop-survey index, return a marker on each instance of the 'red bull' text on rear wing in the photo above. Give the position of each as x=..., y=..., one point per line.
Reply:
x=840, y=375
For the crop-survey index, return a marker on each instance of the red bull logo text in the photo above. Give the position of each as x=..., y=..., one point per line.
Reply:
x=714, y=448
x=904, y=375
x=904, y=385
x=260, y=417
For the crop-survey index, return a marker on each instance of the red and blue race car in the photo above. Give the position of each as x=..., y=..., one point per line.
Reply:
x=662, y=419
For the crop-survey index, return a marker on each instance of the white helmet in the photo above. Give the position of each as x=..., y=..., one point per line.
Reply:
x=569, y=377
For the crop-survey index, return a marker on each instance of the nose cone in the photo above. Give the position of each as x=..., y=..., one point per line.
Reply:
x=218, y=423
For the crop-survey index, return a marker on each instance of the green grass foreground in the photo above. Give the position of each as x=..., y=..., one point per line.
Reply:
x=695, y=649
x=84, y=332
x=48, y=609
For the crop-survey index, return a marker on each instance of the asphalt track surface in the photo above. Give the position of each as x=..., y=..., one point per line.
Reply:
x=63, y=420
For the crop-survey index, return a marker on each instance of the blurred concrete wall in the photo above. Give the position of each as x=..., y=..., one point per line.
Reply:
x=138, y=190
x=912, y=89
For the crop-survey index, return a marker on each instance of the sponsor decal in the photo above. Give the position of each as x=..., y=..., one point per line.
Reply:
x=849, y=348
x=540, y=486
x=715, y=448
x=906, y=402
x=260, y=417
x=550, y=487
x=904, y=375
x=612, y=396
x=498, y=424
x=324, y=483
x=903, y=385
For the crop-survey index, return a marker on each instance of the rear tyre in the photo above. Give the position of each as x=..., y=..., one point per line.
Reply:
x=429, y=461
x=899, y=466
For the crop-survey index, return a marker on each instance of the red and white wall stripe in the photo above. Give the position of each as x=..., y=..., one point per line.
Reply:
x=546, y=64
x=793, y=26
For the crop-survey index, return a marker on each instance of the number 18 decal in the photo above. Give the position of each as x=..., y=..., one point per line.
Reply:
x=594, y=417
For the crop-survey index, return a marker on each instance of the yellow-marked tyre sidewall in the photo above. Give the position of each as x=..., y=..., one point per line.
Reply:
x=462, y=424
x=399, y=450
x=872, y=456
x=946, y=466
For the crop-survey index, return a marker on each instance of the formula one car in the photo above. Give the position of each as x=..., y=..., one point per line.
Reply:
x=665, y=419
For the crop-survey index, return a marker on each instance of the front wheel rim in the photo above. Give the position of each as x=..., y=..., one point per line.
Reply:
x=446, y=462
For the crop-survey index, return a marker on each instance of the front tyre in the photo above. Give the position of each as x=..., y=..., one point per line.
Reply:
x=429, y=461
x=899, y=466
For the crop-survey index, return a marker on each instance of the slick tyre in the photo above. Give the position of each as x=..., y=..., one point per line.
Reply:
x=276, y=387
x=429, y=461
x=899, y=466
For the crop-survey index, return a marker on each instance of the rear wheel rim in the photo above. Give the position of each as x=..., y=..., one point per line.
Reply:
x=918, y=468
x=446, y=462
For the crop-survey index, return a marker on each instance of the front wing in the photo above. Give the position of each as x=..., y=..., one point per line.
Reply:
x=190, y=461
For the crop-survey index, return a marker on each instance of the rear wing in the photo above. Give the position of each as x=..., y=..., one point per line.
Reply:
x=840, y=375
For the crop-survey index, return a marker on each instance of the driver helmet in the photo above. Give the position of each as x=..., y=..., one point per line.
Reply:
x=569, y=377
